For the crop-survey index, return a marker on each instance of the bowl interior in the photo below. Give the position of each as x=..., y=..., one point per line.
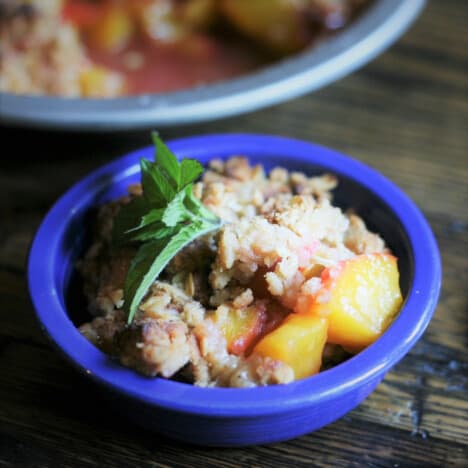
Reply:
x=64, y=234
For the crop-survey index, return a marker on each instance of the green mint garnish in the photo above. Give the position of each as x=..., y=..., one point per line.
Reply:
x=164, y=220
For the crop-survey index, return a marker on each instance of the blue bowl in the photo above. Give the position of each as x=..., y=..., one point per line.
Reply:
x=232, y=417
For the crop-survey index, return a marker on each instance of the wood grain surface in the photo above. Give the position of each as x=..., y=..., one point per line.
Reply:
x=406, y=114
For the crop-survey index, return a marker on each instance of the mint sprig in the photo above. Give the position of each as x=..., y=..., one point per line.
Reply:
x=163, y=221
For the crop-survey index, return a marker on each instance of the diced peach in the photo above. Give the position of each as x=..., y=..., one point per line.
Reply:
x=113, y=31
x=298, y=342
x=280, y=25
x=241, y=326
x=174, y=20
x=360, y=297
x=99, y=82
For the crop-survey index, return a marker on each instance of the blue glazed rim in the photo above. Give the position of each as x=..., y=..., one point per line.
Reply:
x=45, y=277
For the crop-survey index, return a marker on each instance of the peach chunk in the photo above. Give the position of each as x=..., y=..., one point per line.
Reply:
x=298, y=342
x=360, y=297
x=241, y=327
x=113, y=31
x=97, y=81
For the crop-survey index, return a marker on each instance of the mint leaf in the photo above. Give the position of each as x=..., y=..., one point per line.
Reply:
x=153, y=232
x=139, y=276
x=127, y=218
x=164, y=220
x=190, y=170
x=152, y=258
x=175, y=211
x=156, y=214
x=197, y=207
x=156, y=189
x=153, y=216
x=167, y=162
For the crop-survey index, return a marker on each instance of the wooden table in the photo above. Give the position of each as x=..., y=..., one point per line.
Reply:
x=405, y=114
